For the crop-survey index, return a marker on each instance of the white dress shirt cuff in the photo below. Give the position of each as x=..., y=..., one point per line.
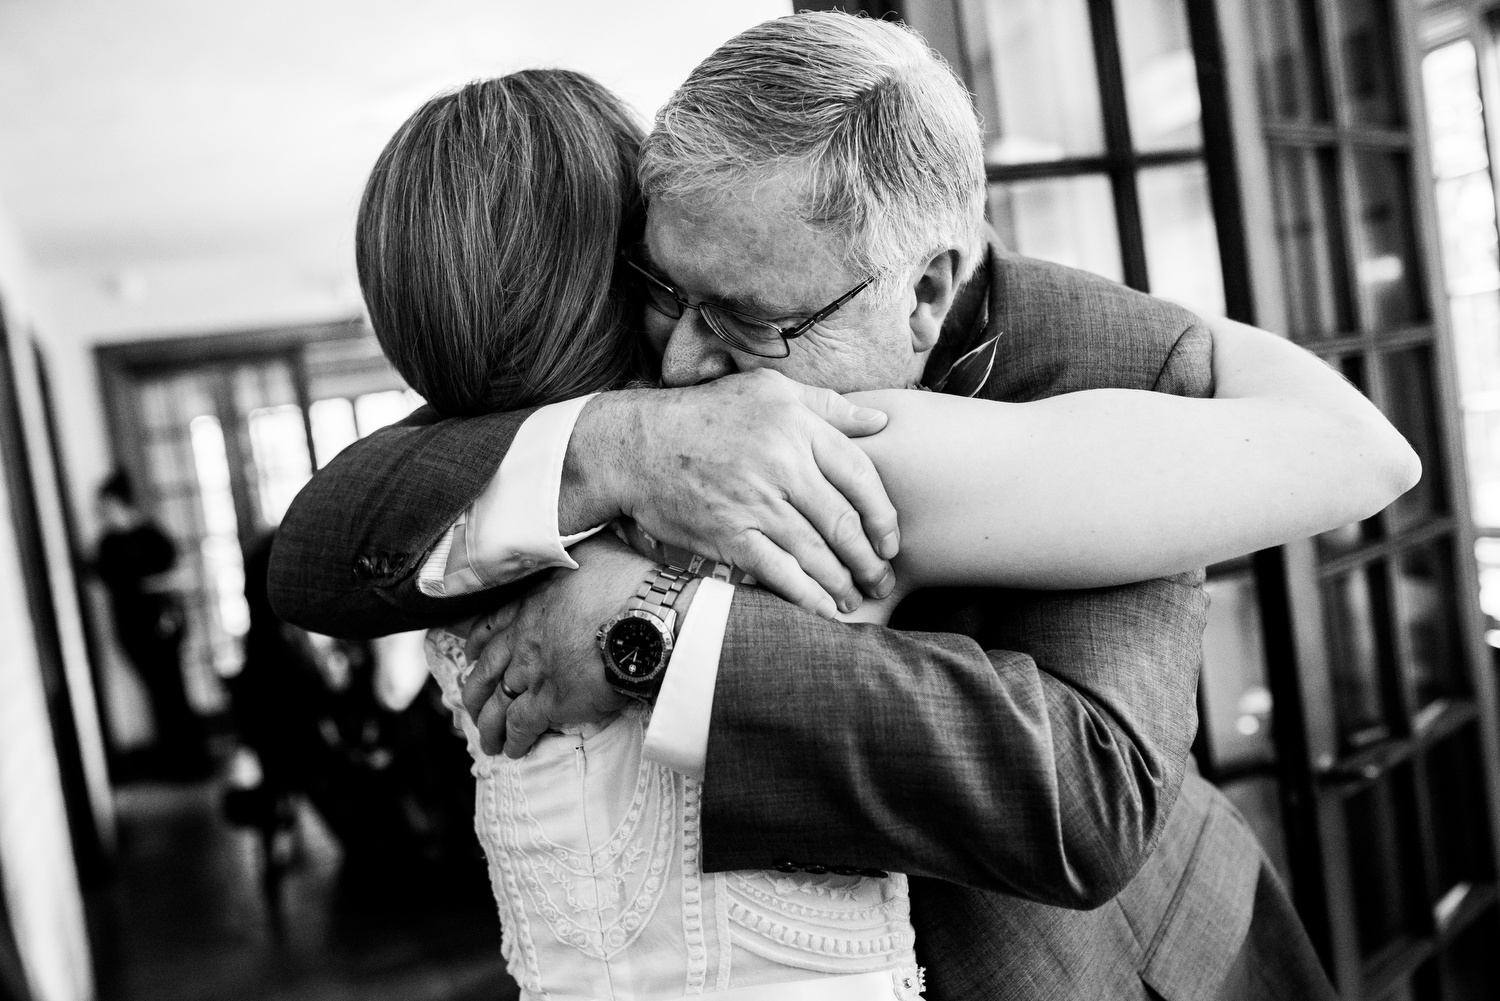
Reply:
x=678, y=733
x=431, y=578
x=511, y=530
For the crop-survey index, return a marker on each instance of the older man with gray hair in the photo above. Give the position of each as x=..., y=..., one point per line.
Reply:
x=816, y=198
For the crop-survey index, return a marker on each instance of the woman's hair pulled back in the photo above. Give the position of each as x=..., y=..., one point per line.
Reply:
x=487, y=240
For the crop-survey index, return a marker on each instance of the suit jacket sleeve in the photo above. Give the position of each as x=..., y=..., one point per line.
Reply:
x=1046, y=773
x=348, y=551
x=1036, y=745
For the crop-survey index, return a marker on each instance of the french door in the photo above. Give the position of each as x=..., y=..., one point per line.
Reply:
x=220, y=432
x=1385, y=687
x=1268, y=159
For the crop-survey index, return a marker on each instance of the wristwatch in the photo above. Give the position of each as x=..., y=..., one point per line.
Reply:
x=637, y=643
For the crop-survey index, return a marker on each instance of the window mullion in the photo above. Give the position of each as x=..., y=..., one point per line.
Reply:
x=1118, y=143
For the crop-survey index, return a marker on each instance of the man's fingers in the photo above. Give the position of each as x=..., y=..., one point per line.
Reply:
x=846, y=418
x=854, y=476
x=484, y=627
x=491, y=723
x=484, y=679
x=526, y=720
x=841, y=529
x=779, y=572
x=464, y=626
x=791, y=532
x=494, y=718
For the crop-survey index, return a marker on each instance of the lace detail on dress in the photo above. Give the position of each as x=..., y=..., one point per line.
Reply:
x=591, y=840
x=516, y=943
x=721, y=928
x=616, y=887
x=692, y=892
x=449, y=664
x=828, y=922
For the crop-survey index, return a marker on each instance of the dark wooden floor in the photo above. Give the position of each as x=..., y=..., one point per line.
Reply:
x=184, y=917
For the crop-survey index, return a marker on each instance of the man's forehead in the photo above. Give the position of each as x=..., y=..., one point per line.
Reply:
x=738, y=284
x=753, y=261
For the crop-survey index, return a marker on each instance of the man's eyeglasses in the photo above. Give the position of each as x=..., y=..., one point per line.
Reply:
x=750, y=334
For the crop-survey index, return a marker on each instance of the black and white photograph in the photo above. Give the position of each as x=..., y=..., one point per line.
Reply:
x=845, y=500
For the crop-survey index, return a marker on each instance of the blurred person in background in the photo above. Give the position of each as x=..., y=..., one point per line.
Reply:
x=135, y=562
x=389, y=781
x=278, y=698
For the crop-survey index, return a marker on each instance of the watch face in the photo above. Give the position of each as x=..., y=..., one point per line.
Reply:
x=635, y=646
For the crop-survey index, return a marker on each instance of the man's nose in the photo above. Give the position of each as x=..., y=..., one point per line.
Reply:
x=693, y=354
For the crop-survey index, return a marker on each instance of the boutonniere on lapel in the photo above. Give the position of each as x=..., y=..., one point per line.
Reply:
x=967, y=375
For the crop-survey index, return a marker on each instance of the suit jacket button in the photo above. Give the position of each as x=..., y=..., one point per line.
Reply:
x=844, y=870
x=874, y=873
x=815, y=869
x=364, y=569
x=785, y=865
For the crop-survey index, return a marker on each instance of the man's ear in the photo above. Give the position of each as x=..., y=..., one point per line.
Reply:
x=936, y=285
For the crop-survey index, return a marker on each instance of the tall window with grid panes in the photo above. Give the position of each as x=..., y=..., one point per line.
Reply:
x=1458, y=69
x=1268, y=159
x=222, y=433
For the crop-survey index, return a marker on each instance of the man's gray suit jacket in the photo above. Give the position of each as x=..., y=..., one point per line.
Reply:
x=1024, y=756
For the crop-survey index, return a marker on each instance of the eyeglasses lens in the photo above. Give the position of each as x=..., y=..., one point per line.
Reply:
x=753, y=336
x=660, y=298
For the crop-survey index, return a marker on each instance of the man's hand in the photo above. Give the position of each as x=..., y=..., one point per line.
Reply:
x=543, y=648
x=752, y=469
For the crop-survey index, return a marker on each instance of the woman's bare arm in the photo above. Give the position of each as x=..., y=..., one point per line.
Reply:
x=1111, y=486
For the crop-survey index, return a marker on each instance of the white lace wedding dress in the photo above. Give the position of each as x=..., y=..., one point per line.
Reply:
x=594, y=860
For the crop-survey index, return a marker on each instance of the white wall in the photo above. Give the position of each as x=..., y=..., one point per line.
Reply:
x=40, y=880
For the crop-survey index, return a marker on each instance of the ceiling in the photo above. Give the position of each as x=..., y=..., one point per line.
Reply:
x=136, y=135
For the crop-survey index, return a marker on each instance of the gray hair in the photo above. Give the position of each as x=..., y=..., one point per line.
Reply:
x=865, y=120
